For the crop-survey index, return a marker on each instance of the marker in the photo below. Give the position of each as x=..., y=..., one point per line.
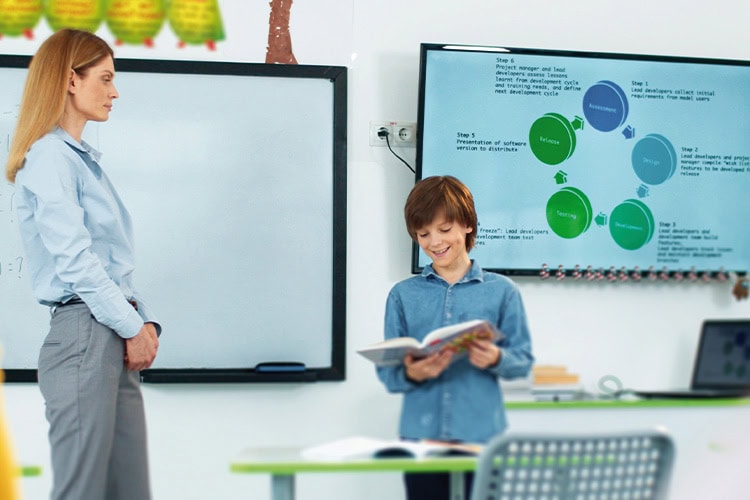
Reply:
x=280, y=366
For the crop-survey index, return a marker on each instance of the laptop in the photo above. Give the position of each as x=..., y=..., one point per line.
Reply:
x=722, y=363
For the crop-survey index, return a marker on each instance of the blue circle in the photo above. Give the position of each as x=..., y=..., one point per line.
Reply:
x=605, y=106
x=654, y=159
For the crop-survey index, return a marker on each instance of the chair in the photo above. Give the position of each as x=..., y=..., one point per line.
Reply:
x=9, y=488
x=624, y=466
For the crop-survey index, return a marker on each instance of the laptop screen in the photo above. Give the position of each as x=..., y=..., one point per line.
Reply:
x=723, y=357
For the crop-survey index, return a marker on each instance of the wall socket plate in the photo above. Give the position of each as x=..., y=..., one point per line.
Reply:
x=400, y=134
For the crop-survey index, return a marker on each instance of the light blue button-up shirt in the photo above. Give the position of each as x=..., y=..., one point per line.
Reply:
x=77, y=235
x=464, y=403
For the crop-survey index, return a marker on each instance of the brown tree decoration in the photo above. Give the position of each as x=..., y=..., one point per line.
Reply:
x=279, y=50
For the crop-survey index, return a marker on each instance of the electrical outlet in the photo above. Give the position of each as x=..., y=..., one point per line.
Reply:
x=375, y=138
x=405, y=134
x=400, y=134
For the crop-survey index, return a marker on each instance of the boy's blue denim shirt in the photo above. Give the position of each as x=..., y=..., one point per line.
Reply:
x=464, y=403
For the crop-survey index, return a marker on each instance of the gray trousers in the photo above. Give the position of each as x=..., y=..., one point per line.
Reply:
x=95, y=411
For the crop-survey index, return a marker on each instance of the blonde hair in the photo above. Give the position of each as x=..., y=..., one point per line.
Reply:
x=46, y=89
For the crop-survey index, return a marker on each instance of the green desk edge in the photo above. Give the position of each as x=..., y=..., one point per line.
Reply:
x=622, y=403
x=30, y=470
x=452, y=464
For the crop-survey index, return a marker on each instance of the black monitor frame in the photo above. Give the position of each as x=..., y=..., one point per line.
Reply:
x=424, y=129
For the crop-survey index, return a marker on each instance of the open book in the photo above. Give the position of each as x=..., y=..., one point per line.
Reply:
x=358, y=447
x=457, y=337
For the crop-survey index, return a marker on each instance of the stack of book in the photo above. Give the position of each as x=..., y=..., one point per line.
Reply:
x=555, y=383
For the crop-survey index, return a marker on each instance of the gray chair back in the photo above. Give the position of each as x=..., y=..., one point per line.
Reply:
x=618, y=466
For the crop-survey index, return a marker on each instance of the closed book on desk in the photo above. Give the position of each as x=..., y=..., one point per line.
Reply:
x=456, y=338
x=553, y=375
x=359, y=447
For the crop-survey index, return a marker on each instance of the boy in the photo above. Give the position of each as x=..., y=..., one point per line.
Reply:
x=459, y=402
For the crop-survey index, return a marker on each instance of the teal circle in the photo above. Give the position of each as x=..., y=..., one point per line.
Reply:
x=654, y=159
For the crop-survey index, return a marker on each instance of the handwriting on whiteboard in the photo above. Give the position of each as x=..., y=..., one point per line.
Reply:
x=11, y=267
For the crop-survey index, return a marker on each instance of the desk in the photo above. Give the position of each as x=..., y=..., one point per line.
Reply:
x=284, y=463
x=631, y=403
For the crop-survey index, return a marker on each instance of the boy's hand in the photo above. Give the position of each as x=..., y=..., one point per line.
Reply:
x=484, y=353
x=427, y=368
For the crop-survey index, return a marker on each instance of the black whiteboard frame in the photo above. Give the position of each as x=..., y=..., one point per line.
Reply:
x=720, y=274
x=337, y=75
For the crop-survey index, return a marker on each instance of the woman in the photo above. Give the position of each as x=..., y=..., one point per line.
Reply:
x=77, y=236
x=443, y=400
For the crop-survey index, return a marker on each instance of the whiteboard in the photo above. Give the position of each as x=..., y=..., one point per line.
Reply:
x=235, y=175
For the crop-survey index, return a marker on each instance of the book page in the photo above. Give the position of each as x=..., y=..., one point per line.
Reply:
x=393, y=343
x=343, y=449
x=447, y=331
x=458, y=337
x=360, y=447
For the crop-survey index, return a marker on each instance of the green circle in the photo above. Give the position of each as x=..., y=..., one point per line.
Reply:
x=552, y=139
x=631, y=224
x=569, y=212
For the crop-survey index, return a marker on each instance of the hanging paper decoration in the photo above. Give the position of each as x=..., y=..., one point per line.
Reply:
x=84, y=15
x=135, y=22
x=19, y=17
x=196, y=22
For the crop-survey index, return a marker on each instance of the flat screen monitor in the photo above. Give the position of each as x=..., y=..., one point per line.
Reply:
x=592, y=161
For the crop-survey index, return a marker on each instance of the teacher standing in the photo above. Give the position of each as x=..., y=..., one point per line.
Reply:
x=78, y=241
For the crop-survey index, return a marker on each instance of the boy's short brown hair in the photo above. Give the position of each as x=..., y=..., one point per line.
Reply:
x=443, y=193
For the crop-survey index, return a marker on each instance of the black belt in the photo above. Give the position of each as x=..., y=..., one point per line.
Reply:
x=74, y=300
x=79, y=300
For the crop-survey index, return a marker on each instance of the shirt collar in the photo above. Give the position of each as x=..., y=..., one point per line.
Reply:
x=82, y=146
x=474, y=273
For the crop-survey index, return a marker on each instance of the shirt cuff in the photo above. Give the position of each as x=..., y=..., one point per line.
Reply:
x=131, y=325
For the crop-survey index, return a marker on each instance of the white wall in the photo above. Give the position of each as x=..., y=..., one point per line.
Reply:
x=643, y=333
